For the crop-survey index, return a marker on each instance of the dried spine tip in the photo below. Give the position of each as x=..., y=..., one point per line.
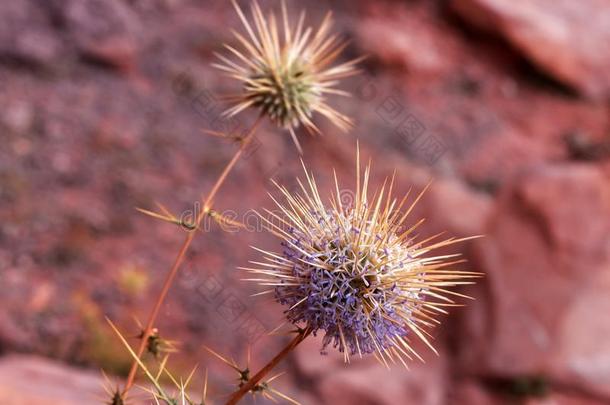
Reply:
x=355, y=272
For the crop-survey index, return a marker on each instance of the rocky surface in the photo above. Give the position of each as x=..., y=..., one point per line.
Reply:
x=544, y=298
x=27, y=380
x=103, y=103
x=568, y=40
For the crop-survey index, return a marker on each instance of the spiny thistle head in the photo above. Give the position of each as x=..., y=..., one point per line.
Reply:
x=356, y=271
x=287, y=76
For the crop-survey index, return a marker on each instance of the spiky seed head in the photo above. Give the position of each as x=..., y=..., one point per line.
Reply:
x=354, y=270
x=286, y=76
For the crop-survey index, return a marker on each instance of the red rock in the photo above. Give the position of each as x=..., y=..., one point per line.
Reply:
x=32, y=380
x=422, y=384
x=564, y=399
x=570, y=40
x=502, y=156
x=105, y=31
x=397, y=36
x=571, y=204
x=583, y=357
x=118, y=52
x=366, y=381
x=452, y=207
x=542, y=305
x=398, y=49
x=311, y=362
x=27, y=34
x=471, y=393
x=29, y=380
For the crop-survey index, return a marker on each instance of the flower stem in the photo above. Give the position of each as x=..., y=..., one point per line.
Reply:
x=169, y=278
x=256, y=379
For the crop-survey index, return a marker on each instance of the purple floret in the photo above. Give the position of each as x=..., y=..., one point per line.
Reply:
x=348, y=299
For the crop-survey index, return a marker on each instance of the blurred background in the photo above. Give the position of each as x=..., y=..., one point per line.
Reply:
x=503, y=104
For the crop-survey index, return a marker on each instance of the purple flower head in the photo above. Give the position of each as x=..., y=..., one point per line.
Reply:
x=353, y=272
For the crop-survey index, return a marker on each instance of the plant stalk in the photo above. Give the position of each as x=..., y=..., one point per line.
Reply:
x=256, y=379
x=171, y=275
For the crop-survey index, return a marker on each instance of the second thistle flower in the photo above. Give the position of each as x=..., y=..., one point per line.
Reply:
x=287, y=76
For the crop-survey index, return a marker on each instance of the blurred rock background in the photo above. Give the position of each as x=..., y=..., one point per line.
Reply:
x=504, y=104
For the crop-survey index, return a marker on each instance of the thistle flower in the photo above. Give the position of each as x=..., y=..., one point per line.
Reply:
x=287, y=78
x=354, y=270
